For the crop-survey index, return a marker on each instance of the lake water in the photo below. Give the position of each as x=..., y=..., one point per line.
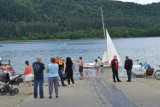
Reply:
x=144, y=49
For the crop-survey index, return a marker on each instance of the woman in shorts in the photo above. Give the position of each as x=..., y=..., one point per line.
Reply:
x=28, y=77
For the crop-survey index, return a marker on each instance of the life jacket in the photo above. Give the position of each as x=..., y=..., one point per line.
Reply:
x=101, y=62
x=60, y=62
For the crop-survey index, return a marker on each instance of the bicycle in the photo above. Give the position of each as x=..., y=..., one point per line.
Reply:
x=157, y=73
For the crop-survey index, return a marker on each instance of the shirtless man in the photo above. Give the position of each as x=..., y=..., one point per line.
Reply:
x=80, y=64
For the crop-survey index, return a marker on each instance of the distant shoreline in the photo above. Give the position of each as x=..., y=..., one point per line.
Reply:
x=50, y=40
x=67, y=39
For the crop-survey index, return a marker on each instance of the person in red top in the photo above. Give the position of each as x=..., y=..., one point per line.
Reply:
x=57, y=59
x=114, y=66
x=28, y=77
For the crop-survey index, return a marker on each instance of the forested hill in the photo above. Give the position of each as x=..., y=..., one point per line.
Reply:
x=74, y=19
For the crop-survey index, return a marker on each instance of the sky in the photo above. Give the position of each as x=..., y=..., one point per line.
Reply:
x=141, y=1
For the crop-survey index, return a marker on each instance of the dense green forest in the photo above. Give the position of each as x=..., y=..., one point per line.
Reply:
x=76, y=19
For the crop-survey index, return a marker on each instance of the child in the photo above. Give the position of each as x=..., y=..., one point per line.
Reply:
x=101, y=66
x=87, y=73
x=97, y=68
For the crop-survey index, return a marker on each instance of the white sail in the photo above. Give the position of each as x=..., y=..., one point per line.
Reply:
x=110, y=50
x=104, y=58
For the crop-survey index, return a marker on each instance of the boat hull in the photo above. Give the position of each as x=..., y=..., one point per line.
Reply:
x=91, y=65
x=137, y=70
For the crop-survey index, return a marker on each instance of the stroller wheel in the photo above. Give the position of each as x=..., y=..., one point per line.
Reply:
x=16, y=90
x=3, y=91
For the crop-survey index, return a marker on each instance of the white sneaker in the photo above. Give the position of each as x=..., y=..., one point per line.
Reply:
x=69, y=85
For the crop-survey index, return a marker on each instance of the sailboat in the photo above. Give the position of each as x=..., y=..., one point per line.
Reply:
x=110, y=50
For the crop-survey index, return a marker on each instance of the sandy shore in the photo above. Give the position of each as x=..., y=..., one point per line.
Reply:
x=141, y=92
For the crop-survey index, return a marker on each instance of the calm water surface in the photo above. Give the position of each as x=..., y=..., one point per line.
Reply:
x=144, y=49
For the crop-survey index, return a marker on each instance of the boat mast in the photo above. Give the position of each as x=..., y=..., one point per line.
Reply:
x=104, y=33
x=105, y=54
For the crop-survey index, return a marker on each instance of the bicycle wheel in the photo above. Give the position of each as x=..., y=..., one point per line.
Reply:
x=157, y=74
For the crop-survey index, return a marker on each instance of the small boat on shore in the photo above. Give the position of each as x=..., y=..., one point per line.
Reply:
x=91, y=65
x=140, y=69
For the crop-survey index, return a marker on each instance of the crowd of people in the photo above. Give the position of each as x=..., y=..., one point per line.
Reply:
x=114, y=64
x=55, y=69
x=60, y=68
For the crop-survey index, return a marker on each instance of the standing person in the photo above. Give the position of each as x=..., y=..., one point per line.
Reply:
x=101, y=65
x=87, y=73
x=1, y=66
x=57, y=59
x=128, y=67
x=53, y=75
x=69, y=70
x=114, y=66
x=28, y=77
x=60, y=70
x=74, y=65
x=97, y=68
x=38, y=68
x=80, y=64
x=98, y=58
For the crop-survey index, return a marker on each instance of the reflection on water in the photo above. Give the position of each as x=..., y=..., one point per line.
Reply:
x=144, y=49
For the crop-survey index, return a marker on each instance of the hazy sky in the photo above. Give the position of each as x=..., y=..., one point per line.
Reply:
x=142, y=1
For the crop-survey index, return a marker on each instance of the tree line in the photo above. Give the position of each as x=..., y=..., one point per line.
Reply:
x=76, y=19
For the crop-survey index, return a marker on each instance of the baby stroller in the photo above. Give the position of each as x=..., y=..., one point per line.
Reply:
x=8, y=87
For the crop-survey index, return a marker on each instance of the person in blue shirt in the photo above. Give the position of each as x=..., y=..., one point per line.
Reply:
x=38, y=68
x=53, y=76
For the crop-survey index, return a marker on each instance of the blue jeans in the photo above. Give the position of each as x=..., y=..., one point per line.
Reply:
x=38, y=82
x=129, y=74
x=61, y=75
